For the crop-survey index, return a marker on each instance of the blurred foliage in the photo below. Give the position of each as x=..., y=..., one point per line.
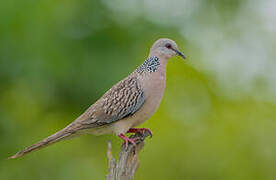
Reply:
x=217, y=119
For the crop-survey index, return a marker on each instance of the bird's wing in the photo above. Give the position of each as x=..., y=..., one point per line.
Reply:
x=122, y=100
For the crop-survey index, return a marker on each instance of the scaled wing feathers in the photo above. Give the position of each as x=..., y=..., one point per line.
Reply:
x=122, y=100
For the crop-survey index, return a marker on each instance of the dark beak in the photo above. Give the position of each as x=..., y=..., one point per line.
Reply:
x=179, y=53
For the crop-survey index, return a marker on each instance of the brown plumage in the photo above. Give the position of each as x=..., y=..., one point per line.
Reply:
x=127, y=104
x=120, y=101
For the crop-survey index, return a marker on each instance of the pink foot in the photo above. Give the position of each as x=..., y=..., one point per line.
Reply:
x=127, y=140
x=140, y=130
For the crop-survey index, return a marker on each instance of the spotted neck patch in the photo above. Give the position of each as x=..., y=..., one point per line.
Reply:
x=150, y=65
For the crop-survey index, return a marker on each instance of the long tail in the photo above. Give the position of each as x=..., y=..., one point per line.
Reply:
x=60, y=135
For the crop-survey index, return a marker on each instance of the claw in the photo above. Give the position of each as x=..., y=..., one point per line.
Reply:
x=140, y=130
x=127, y=140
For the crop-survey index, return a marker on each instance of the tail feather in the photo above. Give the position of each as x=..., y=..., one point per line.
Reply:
x=60, y=135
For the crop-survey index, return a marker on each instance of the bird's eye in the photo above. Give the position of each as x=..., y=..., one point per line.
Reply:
x=169, y=46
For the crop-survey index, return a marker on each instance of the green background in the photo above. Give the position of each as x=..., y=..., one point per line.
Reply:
x=217, y=119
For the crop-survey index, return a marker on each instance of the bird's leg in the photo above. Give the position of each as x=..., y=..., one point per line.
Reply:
x=127, y=140
x=140, y=130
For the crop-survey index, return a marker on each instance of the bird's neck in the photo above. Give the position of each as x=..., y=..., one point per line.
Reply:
x=152, y=64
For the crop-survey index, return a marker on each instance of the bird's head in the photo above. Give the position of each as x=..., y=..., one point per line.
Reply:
x=166, y=48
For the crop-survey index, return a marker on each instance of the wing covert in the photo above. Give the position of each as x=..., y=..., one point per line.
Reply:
x=122, y=100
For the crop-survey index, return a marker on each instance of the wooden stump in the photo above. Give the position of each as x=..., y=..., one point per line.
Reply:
x=128, y=161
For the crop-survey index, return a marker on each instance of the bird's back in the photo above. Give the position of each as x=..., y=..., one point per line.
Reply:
x=122, y=100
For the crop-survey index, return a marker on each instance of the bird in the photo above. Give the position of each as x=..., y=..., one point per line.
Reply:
x=129, y=103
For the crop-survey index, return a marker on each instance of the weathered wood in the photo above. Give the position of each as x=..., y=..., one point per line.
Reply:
x=128, y=161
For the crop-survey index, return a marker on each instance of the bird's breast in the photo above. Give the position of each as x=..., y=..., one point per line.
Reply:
x=153, y=87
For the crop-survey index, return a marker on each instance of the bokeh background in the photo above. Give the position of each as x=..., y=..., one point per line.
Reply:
x=217, y=120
